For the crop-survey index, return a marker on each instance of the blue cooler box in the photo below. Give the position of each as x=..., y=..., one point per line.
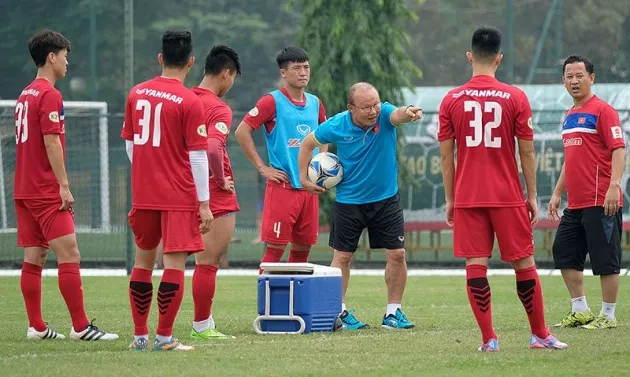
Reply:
x=296, y=298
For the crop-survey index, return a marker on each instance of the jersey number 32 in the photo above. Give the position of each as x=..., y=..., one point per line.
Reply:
x=482, y=133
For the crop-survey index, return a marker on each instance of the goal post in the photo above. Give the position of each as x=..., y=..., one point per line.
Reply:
x=74, y=113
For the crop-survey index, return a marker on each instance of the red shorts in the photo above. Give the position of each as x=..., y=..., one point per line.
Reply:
x=289, y=215
x=474, y=230
x=222, y=202
x=40, y=221
x=178, y=230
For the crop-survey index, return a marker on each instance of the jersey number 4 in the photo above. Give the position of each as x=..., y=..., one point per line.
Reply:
x=482, y=133
x=21, y=122
x=146, y=123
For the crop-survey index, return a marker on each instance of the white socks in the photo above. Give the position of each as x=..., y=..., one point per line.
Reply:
x=579, y=304
x=391, y=309
x=608, y=309
x=202, y=326
x=343, y=307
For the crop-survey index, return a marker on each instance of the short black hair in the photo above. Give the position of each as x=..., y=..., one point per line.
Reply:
x=45, y=42
x=177, y=47
x=486, y=43
x=291, y=55
x=222, y=57
x=590, y=68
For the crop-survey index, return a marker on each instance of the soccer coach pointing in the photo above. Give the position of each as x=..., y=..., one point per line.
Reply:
x=367, y=196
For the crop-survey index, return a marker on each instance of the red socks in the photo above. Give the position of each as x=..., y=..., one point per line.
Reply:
x=140, y=297
x=71, y=289
x=530, y=293
x=480, y=299
x=31, y=284
x=271, y=255
x=297, y=256
x=203, y=287
x=170, y=295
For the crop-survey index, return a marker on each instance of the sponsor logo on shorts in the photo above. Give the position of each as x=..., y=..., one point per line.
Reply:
x=401, y=238
x=53, y=116
x=201, y=130
x=572, y=142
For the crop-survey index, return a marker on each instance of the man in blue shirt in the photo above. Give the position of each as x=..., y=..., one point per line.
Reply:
x=367, y=196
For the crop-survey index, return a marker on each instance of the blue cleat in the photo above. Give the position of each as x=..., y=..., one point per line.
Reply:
x=491, y=346
x=350, y=322
x=139, y=345
x=397, y=321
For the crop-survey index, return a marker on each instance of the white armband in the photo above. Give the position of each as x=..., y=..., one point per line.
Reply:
x=201, y=173
x=129, y=145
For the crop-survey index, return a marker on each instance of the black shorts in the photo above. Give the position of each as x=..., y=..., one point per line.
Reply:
x=384, y=221
x=589, y=231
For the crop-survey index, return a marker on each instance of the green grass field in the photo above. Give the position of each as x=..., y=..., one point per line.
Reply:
x=443, y=344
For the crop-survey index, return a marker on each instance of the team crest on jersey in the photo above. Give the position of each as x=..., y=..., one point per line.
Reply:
x=529, y=123
x=222, y=127
x=53, y=116
x=201, y=130
x=304, y=129
x=253, y=112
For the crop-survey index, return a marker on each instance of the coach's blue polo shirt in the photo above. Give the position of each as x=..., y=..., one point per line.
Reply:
x=368, y=157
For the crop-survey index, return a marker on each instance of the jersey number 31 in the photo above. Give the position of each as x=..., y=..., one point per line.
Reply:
x=146, y=123
x=482, y=133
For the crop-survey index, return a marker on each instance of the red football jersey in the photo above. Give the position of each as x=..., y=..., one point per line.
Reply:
x=38, y=112
x=164, y=120
x=265, y=112
x=590, y=134
x=484, y=116
x=218, y=118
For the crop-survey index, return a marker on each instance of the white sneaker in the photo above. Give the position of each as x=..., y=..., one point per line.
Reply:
x=41, y=335
x=92, y=333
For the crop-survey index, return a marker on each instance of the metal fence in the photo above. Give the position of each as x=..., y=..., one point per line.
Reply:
x=102, y=198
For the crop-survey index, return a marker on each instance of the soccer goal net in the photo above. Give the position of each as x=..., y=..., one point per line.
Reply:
x=87, y=164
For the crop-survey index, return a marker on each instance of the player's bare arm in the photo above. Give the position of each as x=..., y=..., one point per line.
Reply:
x=244, y=137
x=527, y=154
x=556, y=197
x=322, y=118
x=405, y=114
x=611, y=202
x=304, y=157
x=447, y=160
x=55, y=157
x=216, y=148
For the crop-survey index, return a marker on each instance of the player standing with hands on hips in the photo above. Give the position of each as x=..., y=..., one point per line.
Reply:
x=166, y=140
x=595, y=158
x=367, y=196
x=483, y=195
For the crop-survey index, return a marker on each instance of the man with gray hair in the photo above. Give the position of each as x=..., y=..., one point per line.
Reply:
x=367, y=197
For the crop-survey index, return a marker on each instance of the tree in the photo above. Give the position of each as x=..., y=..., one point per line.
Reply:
x=356, y=40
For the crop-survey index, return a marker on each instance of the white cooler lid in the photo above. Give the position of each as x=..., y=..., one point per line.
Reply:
x=308, y=269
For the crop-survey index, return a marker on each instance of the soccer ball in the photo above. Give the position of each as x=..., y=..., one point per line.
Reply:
x=325, y=170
